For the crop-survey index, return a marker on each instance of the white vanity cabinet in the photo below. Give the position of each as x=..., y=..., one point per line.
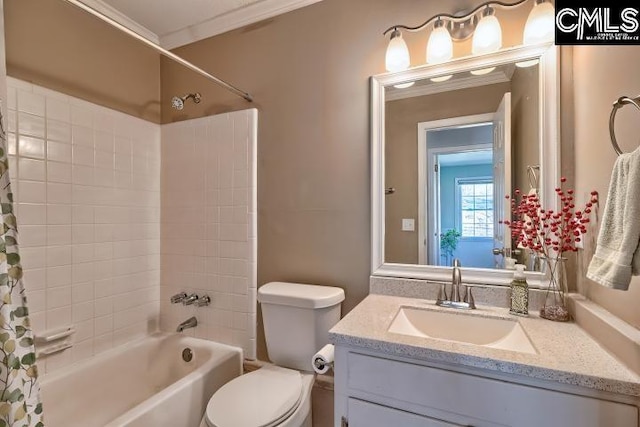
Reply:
x=377, y=390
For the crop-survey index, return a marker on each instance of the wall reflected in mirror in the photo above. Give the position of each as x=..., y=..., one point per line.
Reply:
x=454, y=147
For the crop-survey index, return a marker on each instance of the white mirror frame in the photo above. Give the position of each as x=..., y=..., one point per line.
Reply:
x=549, y=154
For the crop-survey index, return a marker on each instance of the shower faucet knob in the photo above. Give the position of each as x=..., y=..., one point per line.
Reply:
x=178, y=298
x=190, y=299
x=203, y=301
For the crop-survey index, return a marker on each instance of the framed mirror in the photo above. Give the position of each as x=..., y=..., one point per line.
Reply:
x=449, y=142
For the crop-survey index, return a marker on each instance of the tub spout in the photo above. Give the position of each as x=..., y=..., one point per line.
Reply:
x=189, y=323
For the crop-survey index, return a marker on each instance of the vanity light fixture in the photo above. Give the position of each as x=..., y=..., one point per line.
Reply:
x=397, y=57
x=481, y=23
x=539, y=28
x=439, y=47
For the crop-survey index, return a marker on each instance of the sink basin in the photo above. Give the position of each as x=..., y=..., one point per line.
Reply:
x=505, y=334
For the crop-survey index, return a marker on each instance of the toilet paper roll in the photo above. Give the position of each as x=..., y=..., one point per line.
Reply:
x=323, y=360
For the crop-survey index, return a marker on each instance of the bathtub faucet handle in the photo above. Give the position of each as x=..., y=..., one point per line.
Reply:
x=178, y=298
x=190, y=299
x=203, y=301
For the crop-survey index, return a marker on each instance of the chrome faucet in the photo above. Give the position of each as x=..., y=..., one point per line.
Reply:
x=190, y=299
x=178, y=298
x=191, y=322
x=467, y=302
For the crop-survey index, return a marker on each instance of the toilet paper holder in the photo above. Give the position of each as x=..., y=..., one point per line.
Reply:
x=321, y=365
x=323, y=360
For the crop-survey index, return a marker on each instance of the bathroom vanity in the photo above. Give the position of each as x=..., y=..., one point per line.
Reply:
x=400, y=360
x=391, y=371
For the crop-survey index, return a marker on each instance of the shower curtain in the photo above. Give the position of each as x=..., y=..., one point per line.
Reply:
x=20, y=403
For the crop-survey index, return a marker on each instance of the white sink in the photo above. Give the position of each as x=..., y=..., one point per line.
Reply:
x=506, y=334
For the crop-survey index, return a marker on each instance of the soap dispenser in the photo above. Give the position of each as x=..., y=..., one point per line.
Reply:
x=519, y=292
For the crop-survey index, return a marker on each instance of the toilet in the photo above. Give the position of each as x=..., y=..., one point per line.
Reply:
x=297, y=319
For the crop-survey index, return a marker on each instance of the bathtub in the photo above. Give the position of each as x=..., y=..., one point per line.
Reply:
x=140, y=385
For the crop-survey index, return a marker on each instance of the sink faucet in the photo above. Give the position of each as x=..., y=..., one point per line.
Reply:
x=192, y=322
x=467, y=302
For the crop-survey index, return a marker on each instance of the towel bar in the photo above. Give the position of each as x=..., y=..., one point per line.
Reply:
x=620, y=102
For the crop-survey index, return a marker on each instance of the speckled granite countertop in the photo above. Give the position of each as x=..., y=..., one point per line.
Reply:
x=566, y=354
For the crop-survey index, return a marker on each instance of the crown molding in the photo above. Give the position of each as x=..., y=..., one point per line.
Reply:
x=230, y=21
x=122, y=19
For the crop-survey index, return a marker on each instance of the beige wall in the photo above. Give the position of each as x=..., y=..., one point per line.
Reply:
x=525, y=122
x=60, y=47
x=401, y=155
x=309, y=73
x=601, y=75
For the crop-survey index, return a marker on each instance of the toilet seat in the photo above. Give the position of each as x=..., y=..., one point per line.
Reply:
x=263, y=398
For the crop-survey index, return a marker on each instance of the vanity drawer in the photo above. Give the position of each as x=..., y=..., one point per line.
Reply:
x=475, y=400
x=367, y=414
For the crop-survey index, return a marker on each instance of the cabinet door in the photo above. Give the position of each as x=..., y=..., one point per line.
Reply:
x=366, y=414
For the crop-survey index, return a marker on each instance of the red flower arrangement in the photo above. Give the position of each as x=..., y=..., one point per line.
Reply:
x=548, y=232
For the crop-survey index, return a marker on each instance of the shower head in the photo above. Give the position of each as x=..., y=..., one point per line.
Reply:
x=177, y=102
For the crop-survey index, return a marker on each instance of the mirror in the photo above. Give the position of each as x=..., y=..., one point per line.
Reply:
x=449, y=142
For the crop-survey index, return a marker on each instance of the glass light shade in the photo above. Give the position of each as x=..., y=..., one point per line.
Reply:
x=487, y=36
x=397, y=57
x=540, y=24
x=439, y=46
x=482, y=71
x=529, y=63
x=441, y=79
x=404, y=85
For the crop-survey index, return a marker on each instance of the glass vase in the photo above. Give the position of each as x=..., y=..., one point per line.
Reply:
x=555, y=301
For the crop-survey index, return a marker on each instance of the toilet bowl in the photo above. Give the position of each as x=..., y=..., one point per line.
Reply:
x=269, y=397
x=297, y=319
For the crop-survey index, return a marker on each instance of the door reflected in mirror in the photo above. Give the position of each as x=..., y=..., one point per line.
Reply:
x=453, y=150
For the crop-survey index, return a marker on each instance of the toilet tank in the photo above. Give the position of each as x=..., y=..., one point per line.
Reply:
x=297, y=319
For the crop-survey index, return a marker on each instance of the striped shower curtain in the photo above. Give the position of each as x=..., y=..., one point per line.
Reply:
x=20, y=403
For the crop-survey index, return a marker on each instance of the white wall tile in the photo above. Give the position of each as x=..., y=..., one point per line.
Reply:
x=58, y=109
x=31, y=103
x=32, y=214
x=59, y=131
x=208, y=235
x=64, y=163
x=31, y=192
x=58, y=255
x=31, y=169
x=59, y=151
x=31, y=125
x=29, y=146
x=59, y=172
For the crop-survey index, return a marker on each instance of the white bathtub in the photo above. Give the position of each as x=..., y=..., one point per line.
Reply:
x=140, y=385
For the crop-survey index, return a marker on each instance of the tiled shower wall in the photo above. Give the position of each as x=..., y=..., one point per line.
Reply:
x=209, y=226
x=86, y=180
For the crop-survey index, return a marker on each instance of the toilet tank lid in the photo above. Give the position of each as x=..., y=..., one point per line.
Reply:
x=300, y=295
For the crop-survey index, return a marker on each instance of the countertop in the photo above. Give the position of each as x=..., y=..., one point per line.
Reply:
x=566, y=354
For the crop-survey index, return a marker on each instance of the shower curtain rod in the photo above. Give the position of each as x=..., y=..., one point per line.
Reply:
x=161, y=50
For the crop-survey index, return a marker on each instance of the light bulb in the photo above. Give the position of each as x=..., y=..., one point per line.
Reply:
x=397, y=57
x=439, y=48
x=540, y=24
x=440, y=45
x=487, y=37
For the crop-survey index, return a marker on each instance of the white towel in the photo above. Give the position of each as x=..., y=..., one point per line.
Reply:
x=617, y=255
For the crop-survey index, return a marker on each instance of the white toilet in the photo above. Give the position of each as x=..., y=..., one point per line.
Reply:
x=297, y=319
